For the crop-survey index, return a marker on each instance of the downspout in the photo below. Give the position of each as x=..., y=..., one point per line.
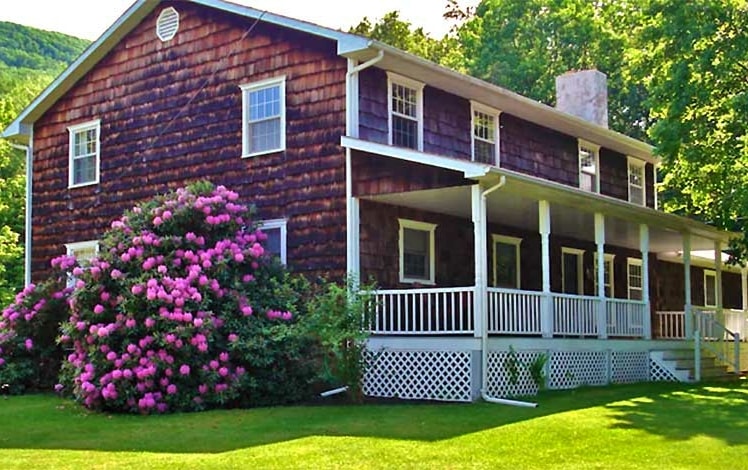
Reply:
x=27, y=215
x=351, y=130
x=484, y=333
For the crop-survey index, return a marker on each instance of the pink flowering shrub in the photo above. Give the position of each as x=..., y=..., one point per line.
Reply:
x=29, y=357
x=184, y=310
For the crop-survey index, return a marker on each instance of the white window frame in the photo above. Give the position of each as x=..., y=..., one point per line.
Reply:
x=72, y=131
x=476, y=107
x=507, y=240
x=609, y=262
x=247, y=89
x=580, y=269
x=635, y=162
x=595, y=150
x=393, y=78
x=634, y=262
x=71, y=248
x=425, y=227
x=710, y=273
x=278, y=224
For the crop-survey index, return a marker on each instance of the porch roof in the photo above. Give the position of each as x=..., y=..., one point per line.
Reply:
x=572, y=209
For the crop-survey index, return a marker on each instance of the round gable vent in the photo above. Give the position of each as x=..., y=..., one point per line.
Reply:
x=167, y=24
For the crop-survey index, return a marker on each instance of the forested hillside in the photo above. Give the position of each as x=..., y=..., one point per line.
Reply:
x=29, y=60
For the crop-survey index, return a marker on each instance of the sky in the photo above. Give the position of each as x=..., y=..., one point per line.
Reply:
x=88, y=19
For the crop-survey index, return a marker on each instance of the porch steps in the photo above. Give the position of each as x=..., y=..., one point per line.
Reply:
x=681, y=363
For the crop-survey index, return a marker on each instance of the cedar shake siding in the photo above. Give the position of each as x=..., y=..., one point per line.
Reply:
x=524, y=147
x=671, y=289
x=171, y=113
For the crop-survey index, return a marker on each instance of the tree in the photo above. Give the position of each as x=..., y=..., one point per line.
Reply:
x=693, y=59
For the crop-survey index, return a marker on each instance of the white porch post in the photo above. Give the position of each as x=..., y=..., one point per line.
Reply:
x=602, y=317
x=644, y=247
x=744, y=287
x=718, y=281
x=688, y=320
x=479, y=243
x=544, y=226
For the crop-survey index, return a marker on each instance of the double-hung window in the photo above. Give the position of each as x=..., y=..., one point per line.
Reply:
x=634, y=268
x=636, y=181
x=485, y=134
x=264, y=117
x=275, y=229
x=710, y=288
x=405, y=98
x=84, y=252
x=417, y=263
x=589, y=167
x=506, y=261
x=84, y=151
x=607, y=274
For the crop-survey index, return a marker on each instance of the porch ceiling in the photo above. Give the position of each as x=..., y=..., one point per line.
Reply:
x=509, y=206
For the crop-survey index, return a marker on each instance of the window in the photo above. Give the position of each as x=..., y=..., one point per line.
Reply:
x=264, y=111
x=506, y=257
x=406, y=111
x=710, y=288
x=84, y=154
x=636, y=181
x=485, y=134
x=84, y=252
x=608, y=273
x=275, y=229
x=572, y=269
x=635, y=278
x=417, y=251
x=589, y=163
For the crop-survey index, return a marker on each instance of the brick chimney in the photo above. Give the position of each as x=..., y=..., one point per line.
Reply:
x=584, y=94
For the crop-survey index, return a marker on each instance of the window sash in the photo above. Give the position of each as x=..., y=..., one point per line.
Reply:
x=417, y=252
x=635, y=279
x=84, y=146
x=607, y=275
x=264, y=117
x=588, y=168
x=636, y=183
x=405, y=111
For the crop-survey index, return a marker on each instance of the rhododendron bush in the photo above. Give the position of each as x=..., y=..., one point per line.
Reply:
x=183, y=310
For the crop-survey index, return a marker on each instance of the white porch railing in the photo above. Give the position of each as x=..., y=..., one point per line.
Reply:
x=625, y=317
x=714, y=337
x=672, y=324
x=512, y=311
x=424, y=311
x=575, y=315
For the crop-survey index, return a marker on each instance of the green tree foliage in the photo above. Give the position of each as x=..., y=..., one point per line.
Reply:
x=30, y=48
x=693, y=59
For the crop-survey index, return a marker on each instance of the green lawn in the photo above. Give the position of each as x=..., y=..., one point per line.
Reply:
x=663, y=426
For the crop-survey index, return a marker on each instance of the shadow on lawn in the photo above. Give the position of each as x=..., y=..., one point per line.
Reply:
x=718, y=410
x=673, y=410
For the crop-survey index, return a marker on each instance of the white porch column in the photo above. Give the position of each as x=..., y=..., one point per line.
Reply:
x=744, y=287
x=688, y=321
x=602, y=317
x=644, y=247
x=481, y=265
x=718, y=281
x=544, y=227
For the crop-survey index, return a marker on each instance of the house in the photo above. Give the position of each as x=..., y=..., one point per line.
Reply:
x=501, y=231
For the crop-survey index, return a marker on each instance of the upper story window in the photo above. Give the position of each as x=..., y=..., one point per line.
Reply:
x=506, y=261
x=405, y=97
x=417, y=263
x=83, y=168
x=275, y=229
x=634, y=268
x=485, y=134
x=636, y=181
x=264, y=117
x=589, y=167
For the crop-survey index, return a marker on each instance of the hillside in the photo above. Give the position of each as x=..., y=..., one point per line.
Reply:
x=31, y=48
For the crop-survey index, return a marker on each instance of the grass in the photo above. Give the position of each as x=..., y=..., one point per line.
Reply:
x=635, y=426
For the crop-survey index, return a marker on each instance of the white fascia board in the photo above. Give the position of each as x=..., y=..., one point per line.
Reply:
x=470, y=169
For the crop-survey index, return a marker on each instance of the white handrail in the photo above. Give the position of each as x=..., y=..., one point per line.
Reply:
x=513, y=311
x=444, y=310
x=708, y=328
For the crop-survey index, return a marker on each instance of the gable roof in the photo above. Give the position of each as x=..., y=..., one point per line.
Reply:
x=350, y=46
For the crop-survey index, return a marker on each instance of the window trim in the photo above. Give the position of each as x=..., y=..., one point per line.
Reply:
x=496, y=114
x=712, y=273
x=282, y=225
x=634, y=262
x=393, y=78
x=72, y=131
x=71, y=248
x=608, y=258
x=580, y=269
x=631, y=161
x=507, y=240
x=248, y=88
x=595, y=149
x=425, y=227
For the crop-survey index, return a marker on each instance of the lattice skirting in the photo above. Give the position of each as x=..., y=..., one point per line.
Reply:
x=659, y=373
x=420, y=375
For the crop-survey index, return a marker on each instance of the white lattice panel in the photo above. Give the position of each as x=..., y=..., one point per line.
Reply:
x=418, y=375
x=629, y=366
x=570, y=369
x=657, y=373
x=500, y=380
